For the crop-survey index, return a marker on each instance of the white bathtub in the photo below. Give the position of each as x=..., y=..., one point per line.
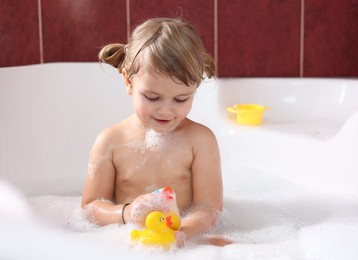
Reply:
x=305, y=152
x=310, y=137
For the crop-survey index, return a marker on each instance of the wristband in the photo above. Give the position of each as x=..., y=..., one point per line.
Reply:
x=124, y=207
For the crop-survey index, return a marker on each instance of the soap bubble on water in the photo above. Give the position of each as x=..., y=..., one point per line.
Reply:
x=283, y=222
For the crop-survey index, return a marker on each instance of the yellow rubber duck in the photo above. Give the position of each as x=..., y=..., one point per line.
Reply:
x=160, y=229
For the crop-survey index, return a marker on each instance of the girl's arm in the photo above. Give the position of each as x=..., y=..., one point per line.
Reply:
x=207, y=186
x=98, y=193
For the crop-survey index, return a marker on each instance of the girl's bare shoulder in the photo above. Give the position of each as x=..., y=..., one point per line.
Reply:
x=199, y=131
x=113, y=134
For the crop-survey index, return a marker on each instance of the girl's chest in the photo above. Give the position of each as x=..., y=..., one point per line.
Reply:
x=170, y=164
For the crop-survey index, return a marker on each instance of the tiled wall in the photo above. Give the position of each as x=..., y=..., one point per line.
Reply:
x=248, y=38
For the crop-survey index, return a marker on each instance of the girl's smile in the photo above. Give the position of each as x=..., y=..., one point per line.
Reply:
x=162, y=121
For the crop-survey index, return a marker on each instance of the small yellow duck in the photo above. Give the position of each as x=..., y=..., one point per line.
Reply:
x=160, y=229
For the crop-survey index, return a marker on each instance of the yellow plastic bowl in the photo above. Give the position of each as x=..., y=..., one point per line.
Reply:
x=248, y=114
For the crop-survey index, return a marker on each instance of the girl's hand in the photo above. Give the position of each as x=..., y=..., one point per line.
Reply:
x=180, y=238
x=143, y=205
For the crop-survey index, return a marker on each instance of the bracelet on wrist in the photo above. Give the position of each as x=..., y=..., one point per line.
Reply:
x=124, y=207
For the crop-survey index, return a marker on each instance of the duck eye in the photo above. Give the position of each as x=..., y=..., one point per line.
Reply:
x=162, y=219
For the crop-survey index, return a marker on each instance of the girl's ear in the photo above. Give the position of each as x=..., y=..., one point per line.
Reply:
x=127, y=82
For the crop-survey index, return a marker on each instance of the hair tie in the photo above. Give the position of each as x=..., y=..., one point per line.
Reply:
x=125, y=48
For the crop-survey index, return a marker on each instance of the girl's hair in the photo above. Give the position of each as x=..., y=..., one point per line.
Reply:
x=168, y=46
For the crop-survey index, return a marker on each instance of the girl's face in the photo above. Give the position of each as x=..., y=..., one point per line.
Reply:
x=159, y=102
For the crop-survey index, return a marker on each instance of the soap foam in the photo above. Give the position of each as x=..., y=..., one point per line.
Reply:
x=145, y=204
x=276, y=221
x=154, y=140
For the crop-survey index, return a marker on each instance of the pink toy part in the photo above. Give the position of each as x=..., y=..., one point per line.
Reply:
x=168, y=193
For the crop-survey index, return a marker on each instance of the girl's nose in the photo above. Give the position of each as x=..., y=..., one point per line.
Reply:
x=165, y=109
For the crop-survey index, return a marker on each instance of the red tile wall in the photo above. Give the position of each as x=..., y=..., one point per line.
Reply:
x=19, y=33
x=249, y=38
x=259, y=38
x=331, y=38
x=75, y=30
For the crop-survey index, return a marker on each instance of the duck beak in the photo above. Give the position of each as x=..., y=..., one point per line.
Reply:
x=168, y=220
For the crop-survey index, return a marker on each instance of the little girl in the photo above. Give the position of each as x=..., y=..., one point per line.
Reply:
x=158, y=146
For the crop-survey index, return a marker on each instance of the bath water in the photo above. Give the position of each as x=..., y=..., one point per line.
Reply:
x=266, y=217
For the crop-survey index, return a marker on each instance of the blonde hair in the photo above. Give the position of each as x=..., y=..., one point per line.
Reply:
x=168, y=46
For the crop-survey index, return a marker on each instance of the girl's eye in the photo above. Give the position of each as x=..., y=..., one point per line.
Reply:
x=152, y=98
x=180, y=100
